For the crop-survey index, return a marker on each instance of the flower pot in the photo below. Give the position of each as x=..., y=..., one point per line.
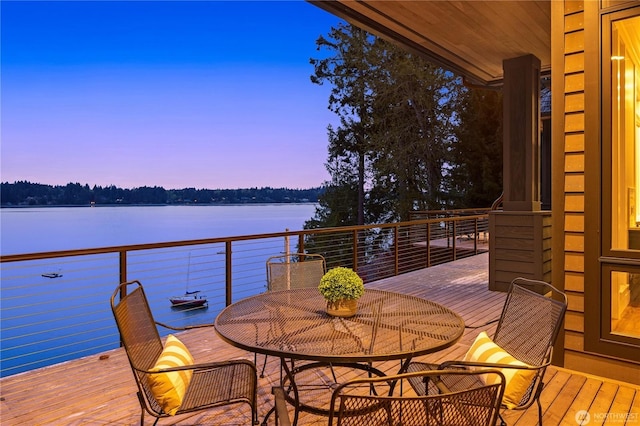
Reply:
x=344, y=308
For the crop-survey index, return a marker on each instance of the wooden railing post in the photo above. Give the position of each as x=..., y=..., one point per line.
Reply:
x=123, y=271
x=228, y=273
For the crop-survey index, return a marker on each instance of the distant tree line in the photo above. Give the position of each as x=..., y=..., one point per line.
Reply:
x=24, y=193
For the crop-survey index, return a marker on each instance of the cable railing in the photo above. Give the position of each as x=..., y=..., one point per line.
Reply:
x=55, y=305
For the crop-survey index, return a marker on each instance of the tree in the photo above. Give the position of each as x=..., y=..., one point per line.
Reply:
x=415, y=117
x=349, y=70
x=397, y=118
x=337, y=205
x=476, y=173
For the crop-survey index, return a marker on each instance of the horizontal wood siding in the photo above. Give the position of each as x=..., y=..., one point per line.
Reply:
x=573, y=130
x=520, y=246
x=579, y=26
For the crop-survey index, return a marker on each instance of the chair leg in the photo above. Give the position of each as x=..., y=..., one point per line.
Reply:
x=141, y=400
x=539, y=411
x=263, y=367
x=502, y=422
x=254, y=413
x=537, y=398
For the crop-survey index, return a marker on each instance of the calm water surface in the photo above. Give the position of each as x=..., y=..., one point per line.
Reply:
x=46, y=321
x=28, y=230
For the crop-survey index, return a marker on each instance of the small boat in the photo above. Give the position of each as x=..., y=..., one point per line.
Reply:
x=52, y=275
x=190, y=299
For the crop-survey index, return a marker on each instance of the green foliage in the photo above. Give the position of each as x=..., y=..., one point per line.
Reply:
x=411, y=135
x=476, y=172
x=415, y=118
x=349, y=69
x=341, y=283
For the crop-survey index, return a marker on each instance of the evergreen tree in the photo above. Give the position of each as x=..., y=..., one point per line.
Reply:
x=349, y=70
x=398, y=115
x=476, y=174
x=415, y=118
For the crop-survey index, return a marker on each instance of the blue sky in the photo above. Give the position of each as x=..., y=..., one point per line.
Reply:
x=205, y=94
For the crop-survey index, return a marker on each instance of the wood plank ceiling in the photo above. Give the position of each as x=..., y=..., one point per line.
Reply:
x=470, y=38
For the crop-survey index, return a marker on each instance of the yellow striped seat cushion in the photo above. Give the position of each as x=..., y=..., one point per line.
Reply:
x=169, y=388
x=517, y=381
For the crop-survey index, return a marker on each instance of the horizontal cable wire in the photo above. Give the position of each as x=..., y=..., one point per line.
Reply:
x=49, y=320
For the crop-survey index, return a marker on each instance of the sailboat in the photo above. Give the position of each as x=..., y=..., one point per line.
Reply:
x=190, y=299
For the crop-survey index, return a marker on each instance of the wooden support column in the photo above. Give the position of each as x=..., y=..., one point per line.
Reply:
x=521, y=118
x=520, y=235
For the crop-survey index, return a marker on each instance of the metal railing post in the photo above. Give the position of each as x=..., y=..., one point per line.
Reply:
x=455, y=235
x=396, y=251
x=475, y=240
x=355, y=250
x=428, y=245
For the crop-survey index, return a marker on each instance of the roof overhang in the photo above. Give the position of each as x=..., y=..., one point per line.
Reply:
x=471, y=38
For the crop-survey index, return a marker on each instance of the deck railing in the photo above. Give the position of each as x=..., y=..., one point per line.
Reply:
x=55, y=305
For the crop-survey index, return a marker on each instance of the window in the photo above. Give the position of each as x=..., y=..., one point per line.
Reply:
x=625, y=134
x=623, y=307
x=620, y=291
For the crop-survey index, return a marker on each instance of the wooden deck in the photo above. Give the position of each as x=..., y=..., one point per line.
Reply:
x=100, y=390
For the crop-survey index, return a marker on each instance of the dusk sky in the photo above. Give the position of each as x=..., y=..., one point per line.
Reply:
x=204, y=94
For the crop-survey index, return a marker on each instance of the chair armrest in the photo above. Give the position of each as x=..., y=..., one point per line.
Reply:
x=202, y=366
x=188, y=327
x=282, y=415
x=459, y=364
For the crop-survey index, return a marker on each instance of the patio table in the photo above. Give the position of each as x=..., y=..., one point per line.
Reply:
x=293, y=325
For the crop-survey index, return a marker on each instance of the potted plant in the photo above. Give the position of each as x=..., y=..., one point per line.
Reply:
x=341, y=287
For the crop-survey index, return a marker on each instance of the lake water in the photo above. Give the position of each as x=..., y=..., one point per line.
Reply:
x=29, y=230
x=46, y=321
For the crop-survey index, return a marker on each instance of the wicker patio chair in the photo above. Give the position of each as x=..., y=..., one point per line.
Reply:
x=521, y=346
x=211, y=384
x=377, y=401
x=294, y=270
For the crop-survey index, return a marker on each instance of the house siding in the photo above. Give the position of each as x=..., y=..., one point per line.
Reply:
x=573, y=28
x=520, y=246
x=572, y=124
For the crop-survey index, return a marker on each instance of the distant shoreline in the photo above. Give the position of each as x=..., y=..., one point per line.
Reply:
x=156, y=205
x=76, y=195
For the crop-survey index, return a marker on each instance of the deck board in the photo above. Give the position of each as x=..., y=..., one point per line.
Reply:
x=583, y=399
x=623, y=403
x=100, y=390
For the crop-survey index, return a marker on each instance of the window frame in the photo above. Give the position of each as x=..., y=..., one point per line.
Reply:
x=597, y=303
